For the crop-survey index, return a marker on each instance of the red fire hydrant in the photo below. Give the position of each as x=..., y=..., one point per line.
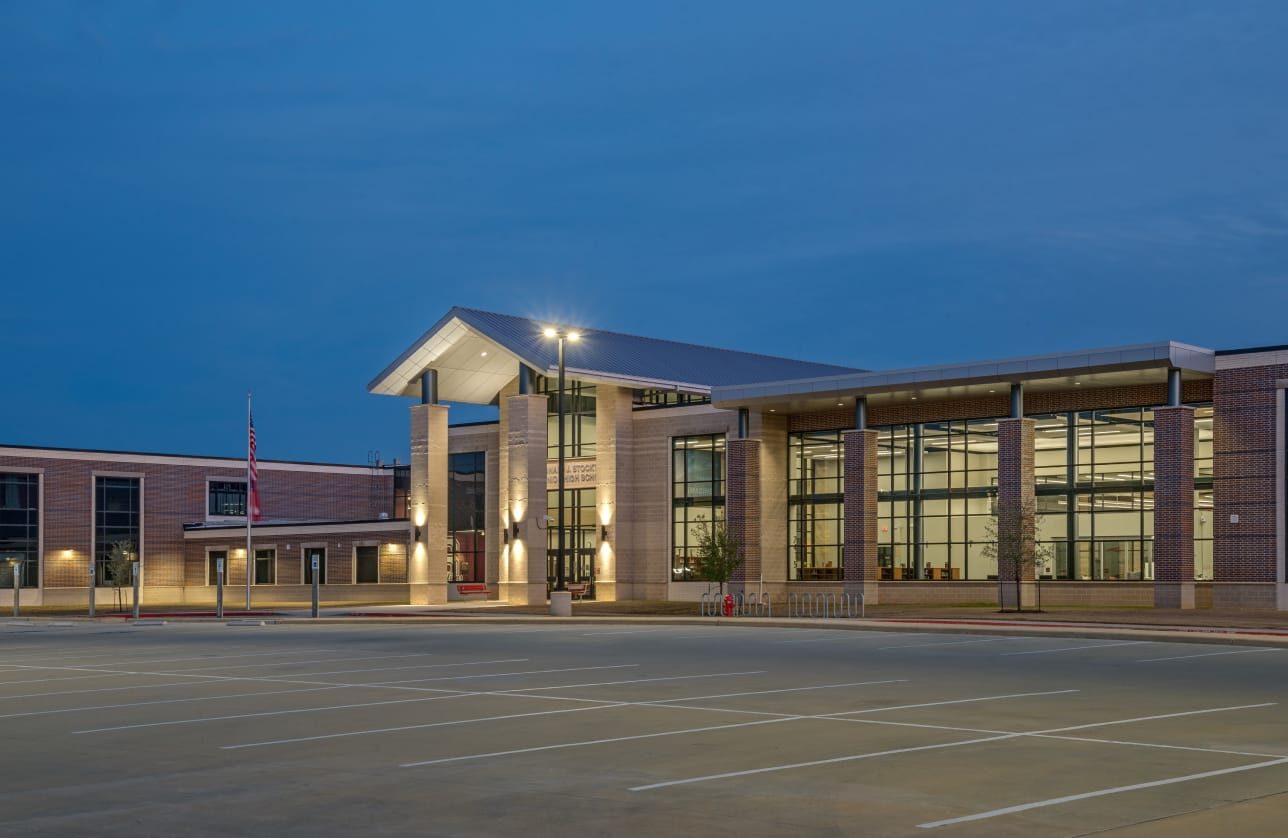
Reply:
x=728, y=605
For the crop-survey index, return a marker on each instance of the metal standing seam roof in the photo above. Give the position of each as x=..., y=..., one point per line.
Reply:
x=611, y=355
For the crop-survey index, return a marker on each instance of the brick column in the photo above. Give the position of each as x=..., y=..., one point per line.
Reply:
x=523, y=578
x=427, y=562
x=1174, y=507
x=742, y=508
x=1015, y=510
x=859, y=550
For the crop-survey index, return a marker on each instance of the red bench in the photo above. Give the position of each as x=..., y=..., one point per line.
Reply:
x=578, y=589
x=473, y=588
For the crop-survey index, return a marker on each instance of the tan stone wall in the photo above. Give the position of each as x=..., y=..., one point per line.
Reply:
x=648, y=574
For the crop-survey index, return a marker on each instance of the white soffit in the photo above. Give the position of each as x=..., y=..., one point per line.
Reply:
x=471, y=367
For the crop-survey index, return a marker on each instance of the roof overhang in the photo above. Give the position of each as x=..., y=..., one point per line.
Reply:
x=1112, y=367
x=474, y=365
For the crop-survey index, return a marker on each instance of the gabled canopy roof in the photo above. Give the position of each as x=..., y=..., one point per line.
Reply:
x=477, y=353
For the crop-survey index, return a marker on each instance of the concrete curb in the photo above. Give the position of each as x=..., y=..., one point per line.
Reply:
x=1109, y=631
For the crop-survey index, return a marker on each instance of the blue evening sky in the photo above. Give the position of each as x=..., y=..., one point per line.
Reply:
x=200, y=198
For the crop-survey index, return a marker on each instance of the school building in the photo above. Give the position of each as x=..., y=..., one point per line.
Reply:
x=1149, y=474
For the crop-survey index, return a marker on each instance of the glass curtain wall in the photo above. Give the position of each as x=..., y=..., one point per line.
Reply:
x=815, y=488
x=20, y=528
x=466, y=497
x=579, y=417
x=936, y=486
x=697, y=497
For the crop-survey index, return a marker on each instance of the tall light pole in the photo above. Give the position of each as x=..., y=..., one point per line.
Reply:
x=562, y=335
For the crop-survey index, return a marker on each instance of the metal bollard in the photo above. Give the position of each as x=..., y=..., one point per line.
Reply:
x=134, y=572
x=93, y=580
x=17, y=585
x=219, y=587
x=315, y=585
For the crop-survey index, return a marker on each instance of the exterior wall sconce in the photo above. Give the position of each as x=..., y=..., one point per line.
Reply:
x=516, y=530
x=417, y=539
x=603, y=533
x=505, y=536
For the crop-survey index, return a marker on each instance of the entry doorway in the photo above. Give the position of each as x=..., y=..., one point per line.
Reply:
x=580, y=533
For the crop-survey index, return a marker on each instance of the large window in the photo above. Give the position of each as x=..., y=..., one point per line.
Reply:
x=697, y=496
x=117, y=520
x=936, y=484
x=579, y=417
x=815, y=503
x=367, y=564
x=266, y=567
x=20, y=528
x=226, y=498
x=466, y=496
x=213, y=560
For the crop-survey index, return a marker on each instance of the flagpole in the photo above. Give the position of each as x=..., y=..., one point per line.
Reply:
x=250, y=513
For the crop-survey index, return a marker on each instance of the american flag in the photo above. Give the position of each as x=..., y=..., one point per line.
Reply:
x=252, y=468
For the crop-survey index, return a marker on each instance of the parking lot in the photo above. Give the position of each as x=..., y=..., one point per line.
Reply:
x=596, y=729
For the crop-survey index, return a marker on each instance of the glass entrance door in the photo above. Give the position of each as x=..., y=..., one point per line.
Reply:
x=580, y=535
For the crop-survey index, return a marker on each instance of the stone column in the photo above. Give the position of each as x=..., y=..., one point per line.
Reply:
x=1015, y=510
x=613, y=452
x=742, y=508
x=427, y=562
x=859, y=548
x=1174, y=507
x=523, y=560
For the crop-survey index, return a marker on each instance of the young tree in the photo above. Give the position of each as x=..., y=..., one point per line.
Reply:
x=120, y=567
x=1006, y=548
x=719, y=553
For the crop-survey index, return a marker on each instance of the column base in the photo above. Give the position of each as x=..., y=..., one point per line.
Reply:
x=560, y=604
x=867, y=588
x=427, y=594
x=523, y=593
x=1174, y=595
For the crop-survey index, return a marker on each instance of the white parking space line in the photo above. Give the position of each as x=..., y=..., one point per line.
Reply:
x=425, y=725
x=292, y=662
x=504, y=674
x=615, y=633
x=212, y=658
x=633, y=681
x=949, y=643
x=216, y=697
x=940, y=746
x=203, y=719
x=1077, y=648
x=781, y=690
x=598, y=704
x=944, y=703
x=813, y=763
x=99, y=707
x=841, y=634
x=778, y=717
x=1055, y=801
x=589, y=742
x=1210, y=654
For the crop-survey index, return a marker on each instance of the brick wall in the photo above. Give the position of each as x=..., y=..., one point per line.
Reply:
x=1244, y=460
x=174, y=493
x=1174, y=506
x=742, y=503
x=859, y=550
